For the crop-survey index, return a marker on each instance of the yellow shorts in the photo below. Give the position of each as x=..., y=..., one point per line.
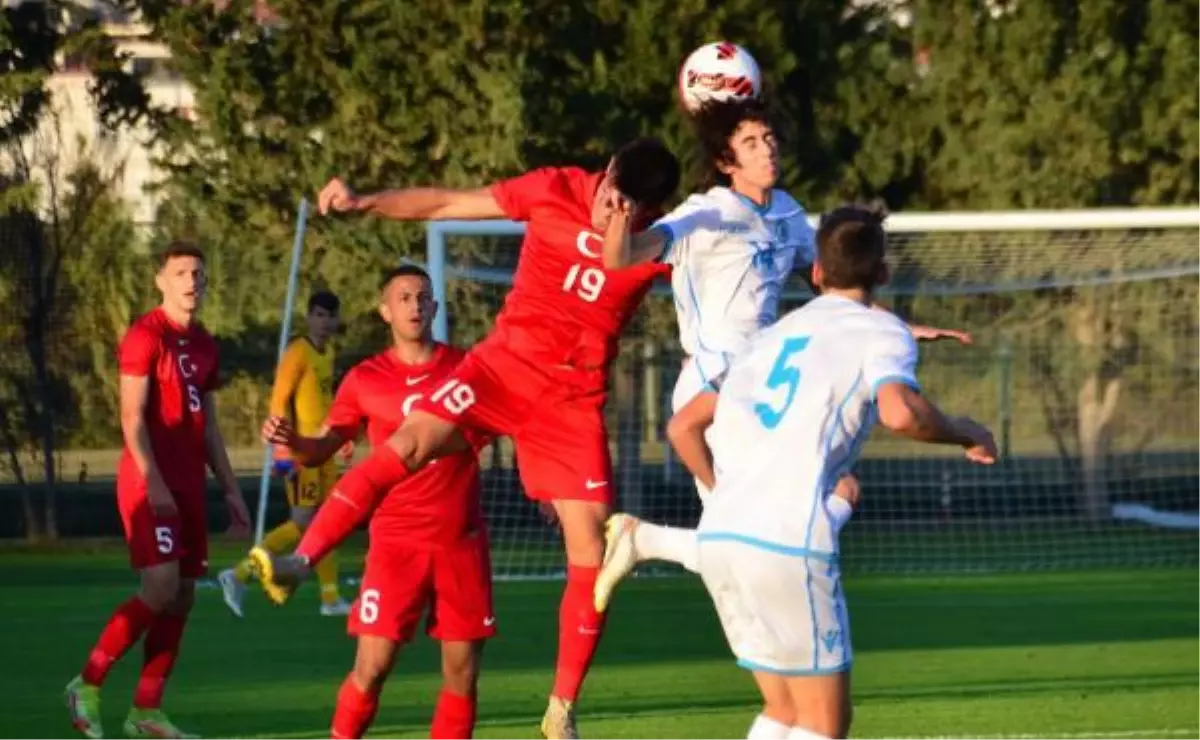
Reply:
x=309, y=486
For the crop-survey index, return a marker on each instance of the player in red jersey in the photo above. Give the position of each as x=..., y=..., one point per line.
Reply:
x=540, y=377
x=428, y=550
x=168, y=368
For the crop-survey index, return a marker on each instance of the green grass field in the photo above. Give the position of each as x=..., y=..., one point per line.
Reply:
x=1084, y=654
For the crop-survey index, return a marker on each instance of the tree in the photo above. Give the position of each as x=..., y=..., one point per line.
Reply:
x=60, y=218
x=1049, y=104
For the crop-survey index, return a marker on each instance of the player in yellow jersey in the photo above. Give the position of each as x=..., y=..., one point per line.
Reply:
x=303, y=392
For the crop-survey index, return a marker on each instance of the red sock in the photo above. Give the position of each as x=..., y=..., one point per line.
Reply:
x=355, y=710
x=161, y=651
x=454, y=717
x=124, y=628
x=353, y=499
x=579, y=630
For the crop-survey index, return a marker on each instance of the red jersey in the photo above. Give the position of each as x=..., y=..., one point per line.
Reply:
x=439, y=505
x=181, y=362
x=564, y=307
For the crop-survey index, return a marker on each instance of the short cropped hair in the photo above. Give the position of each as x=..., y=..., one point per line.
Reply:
x=852, y=246
x=324, y=299
x=716, y=122
x=404, y=271
x=179, y=248
x=646, y=171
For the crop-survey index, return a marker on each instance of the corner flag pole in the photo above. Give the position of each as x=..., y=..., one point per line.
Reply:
x=285, y=330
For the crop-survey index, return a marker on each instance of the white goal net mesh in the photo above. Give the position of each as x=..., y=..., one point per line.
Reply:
x=1085, y=365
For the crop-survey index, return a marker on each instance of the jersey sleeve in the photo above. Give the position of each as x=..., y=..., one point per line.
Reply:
x=806, y=247
x=517, y=196
x=287, y=377
x=892, y=359
x=346, y=414
x=680, y=225
x=138, y=352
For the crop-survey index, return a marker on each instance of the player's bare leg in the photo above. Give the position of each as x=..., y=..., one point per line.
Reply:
x=778, y=714
x=580, y=624
x=629, y=541
x=454, y=715
x=358, y=697
x=421, y=438
x=822, y=705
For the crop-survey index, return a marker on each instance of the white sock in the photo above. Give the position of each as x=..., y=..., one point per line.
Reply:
x=673, y=544
x=765, y=728
x=799, y=733
x=839, y=510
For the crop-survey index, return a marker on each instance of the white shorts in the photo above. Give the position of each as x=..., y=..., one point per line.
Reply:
x=781, y=613
x=691, y=383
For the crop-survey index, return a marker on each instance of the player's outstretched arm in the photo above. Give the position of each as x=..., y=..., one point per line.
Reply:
x=623, y=248
x=411, y=204
x=311, y=452
x=218, y=462
x=686, y=430
x=905, y=411
x=924, y=333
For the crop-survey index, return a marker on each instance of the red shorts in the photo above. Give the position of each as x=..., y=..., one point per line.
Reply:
x=558, y=431
x=154, y=540
x=402, y=581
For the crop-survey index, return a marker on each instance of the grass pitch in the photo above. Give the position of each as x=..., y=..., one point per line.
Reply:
x=1088, y=654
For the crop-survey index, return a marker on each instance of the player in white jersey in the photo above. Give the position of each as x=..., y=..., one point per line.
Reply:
x=731, y=249
x=792, y=417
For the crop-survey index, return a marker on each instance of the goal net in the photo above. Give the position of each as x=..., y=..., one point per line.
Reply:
x=1084, y=364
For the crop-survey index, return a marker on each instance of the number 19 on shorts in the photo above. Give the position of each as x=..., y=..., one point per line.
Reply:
x=455, y=395
x=585, y=282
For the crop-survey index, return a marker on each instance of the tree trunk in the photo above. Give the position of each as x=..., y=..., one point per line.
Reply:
x=1098, y=399
x=33, y=523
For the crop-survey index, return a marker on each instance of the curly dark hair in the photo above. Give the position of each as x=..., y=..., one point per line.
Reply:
x=716, y=122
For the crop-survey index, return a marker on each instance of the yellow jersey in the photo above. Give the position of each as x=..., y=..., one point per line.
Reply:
x=303, y=389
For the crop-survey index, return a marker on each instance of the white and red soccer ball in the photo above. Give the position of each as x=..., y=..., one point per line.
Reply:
x=718, y=71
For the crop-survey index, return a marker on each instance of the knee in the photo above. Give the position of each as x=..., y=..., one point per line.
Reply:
x=779, y=709
x=411, y=444
x=184, y=599
x=370, y=672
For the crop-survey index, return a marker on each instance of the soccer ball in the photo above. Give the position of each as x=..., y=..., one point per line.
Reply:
x=718, y=71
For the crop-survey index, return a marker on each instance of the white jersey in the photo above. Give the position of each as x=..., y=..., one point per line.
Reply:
x=792, y=417
x=730, y=259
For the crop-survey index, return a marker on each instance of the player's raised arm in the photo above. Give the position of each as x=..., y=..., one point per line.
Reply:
x=623, y=248
x=218, y=462
x=411, y=204
x=924, y=333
